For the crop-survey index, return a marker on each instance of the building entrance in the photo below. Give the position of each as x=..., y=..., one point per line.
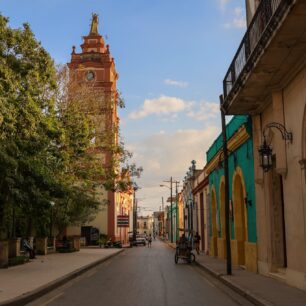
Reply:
x=214, y=223
x=240, y=218
x=222, y=209
x=278, y=227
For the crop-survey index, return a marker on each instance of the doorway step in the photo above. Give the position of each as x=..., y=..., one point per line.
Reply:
x=279, y=275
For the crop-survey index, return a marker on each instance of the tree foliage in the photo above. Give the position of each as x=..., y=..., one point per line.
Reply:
x=47, y=133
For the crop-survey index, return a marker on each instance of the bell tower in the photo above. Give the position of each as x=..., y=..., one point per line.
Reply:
x=94, y=66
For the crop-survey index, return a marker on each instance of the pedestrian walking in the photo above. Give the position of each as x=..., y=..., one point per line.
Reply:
x=197, y=239
x=149, y=241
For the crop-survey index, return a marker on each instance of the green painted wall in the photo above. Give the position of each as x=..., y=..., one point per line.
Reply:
x=245, y=161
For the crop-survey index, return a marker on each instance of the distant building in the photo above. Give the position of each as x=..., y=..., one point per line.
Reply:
x=124, y=215
x=145, y=225
x=201, y=199
x=181, y=216
x=158, y=223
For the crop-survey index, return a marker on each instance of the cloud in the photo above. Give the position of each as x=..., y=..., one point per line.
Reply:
x=163, y=105
x=181, y=84
x=163, y=155
x=222, y=4
x=238, y=21
x=205, y=111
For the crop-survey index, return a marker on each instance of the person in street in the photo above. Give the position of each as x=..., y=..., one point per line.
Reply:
x=197, y=239
x=149, y=241
x=183, y=239
x=191, y=241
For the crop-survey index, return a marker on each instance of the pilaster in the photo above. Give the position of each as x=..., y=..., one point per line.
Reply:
x=257, y=139
x=279, y=145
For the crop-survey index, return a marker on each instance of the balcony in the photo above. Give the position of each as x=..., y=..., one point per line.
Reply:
x=273, y=45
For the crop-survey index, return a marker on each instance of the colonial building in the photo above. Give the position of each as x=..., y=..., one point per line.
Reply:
x=181, y=216
x=190, y=207
x=267, y=80
x=161, y=221
x=95, y=67
x=173, y=218
x=242, y=194
x=124, y=215
x=145, y=225
x=200, y=194
x=157, y=223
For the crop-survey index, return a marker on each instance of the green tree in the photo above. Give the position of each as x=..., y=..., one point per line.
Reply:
x=47, y=130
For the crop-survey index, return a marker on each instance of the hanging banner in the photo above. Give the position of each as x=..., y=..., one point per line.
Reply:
x=122, y=221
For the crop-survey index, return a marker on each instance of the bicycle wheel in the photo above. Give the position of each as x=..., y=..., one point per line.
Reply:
x=176, y=258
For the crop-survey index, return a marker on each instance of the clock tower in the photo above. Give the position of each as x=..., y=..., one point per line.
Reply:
x=95, y=67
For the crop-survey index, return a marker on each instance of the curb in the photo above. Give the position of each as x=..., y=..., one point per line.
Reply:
x=40, y=291
x=256, y=300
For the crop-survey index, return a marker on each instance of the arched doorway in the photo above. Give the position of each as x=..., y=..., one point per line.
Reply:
x=240, y=217
x=222, y=208
x=214, y=229
x=221, y=240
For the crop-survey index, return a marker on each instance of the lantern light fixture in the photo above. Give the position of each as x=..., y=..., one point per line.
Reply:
x=265, y=150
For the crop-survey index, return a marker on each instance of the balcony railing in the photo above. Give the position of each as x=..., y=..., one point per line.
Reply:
x=264, y=23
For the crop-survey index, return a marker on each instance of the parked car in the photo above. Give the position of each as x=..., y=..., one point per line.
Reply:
x=139, y=241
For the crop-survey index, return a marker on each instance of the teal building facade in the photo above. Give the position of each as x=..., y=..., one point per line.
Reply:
x=241, y=194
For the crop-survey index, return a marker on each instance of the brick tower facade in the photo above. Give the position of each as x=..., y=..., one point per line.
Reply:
x=95, y=67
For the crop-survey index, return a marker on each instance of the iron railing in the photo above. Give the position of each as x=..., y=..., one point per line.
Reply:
x=265, y=21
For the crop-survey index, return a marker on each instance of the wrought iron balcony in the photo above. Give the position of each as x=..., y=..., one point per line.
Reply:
x=265, y=22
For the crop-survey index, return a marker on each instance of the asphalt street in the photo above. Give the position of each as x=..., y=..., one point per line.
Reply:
x=143, y=276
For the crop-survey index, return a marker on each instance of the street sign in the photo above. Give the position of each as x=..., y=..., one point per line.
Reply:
x=122, y=221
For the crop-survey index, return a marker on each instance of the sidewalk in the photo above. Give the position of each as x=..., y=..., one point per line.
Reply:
x=23, y=283
x=258, y=289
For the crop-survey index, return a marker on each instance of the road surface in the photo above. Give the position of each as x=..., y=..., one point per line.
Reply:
x=143, y=276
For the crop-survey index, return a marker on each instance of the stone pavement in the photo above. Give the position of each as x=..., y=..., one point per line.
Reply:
x=23, y=283
x=259, y=289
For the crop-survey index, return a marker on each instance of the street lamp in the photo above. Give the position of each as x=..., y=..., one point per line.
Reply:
x=265, y=150
x=171, y=225
x=226, y=190
x=135, y=188
x=171, y=205
x=265, y=154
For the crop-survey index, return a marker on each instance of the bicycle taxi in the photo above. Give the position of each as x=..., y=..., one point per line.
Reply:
x=184, y=251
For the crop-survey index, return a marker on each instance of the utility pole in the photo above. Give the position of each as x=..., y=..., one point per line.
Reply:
x=134, y=215
x=171, y=224
x=163, y=225
x=171, y=205
x=176, y=203
x=226, y=177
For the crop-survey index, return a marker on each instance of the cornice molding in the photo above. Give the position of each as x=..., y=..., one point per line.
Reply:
x=239, y=137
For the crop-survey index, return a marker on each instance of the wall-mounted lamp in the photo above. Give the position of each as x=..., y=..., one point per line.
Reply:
x=265, y=150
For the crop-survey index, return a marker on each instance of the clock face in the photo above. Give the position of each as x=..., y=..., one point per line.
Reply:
x=90, y=75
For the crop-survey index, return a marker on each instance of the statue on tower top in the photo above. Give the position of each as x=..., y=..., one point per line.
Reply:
x=94, y=25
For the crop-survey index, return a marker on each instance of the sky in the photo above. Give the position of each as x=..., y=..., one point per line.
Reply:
x=171, y=56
